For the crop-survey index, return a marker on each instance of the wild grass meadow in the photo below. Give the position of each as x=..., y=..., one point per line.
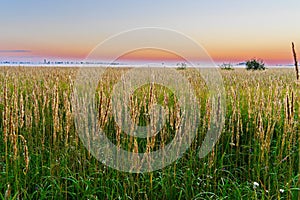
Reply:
x=43, y=157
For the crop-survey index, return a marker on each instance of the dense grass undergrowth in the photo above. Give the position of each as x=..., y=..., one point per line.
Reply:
x=256, y=157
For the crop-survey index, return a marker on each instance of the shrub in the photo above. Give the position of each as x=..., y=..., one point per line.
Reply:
x=181, y=66
x=226, y=66
x=255, y=64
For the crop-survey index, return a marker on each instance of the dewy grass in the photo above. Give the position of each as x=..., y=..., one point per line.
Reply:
x=42, y=157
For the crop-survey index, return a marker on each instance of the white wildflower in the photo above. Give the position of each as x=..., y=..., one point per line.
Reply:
x=255, y=185
x=281, y=190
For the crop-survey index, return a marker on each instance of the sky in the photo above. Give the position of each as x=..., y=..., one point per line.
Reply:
x=229, y=30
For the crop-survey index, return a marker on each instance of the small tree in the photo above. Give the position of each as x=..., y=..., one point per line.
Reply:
x=255, y=64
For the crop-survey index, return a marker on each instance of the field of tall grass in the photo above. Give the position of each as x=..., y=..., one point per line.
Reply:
x=43, y=157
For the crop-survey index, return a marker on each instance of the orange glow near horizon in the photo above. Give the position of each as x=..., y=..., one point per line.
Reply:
x=271, y=57
x=271, y=54
x=150, y=54
x=219, y=53
x=66, y=52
